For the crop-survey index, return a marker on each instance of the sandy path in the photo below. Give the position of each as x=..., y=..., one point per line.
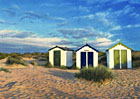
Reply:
x=47, y=83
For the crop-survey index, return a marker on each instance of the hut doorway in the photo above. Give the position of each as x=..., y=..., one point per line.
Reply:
x=57, y=58
x=90, y=59
x=83, y=59
x=86, y=59
x=120, y=59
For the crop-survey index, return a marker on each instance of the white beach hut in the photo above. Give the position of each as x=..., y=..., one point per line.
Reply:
x=86, y=56
x=119, y=57
x=60, y=56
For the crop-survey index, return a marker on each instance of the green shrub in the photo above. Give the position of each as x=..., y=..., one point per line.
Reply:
x=42, y=59
x=14, y=59
x=28, y=55
x=3, y=55
x=15, y=54
x=74, y=66
x=4, y=69
x=48, y=65
x=102, y=58
x=63, y=67
x=34, y=63
x=96, y=74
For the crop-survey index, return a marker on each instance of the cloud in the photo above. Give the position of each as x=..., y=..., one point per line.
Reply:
x=80, y=36
x=110, y=1
x=96, y=1
x=134, y=14
x=57, y=18
x=102, y=42
x=16, y=34
x=130, y=1
x=62, y=24
x=2, y=21
x=32, y=15
x=133, y=26
x=10, y=12
x=99, y=18
x=102, y=17
x=116, y=28
x=35, y=15
x=80, y=33
x=47, y=5
x=126, y=10
x=90, y=16
x=14, y=6
x=14, y=37
x=55, y=5
x=27, y=17
x=82, y=8
x=8, y=23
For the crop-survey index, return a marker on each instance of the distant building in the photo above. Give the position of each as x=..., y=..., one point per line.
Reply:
x=86, y=56
x=119, y=57
x=60, y=56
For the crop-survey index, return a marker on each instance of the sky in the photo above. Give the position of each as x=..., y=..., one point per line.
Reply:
x=37, y=25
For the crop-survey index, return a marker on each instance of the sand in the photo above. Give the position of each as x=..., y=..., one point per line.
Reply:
x=51, y=83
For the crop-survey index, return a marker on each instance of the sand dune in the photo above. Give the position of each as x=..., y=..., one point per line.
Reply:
x=36, y=82
x=46, y=83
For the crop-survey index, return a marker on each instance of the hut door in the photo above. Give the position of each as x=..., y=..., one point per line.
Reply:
x=124, y=59
x=57, y=58
x=83, y=59
x=90, y=59
x=116, y=59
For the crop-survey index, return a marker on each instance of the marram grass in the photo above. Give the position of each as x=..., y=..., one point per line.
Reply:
x=96, y=74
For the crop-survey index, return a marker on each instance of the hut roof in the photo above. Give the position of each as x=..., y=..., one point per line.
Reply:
x=119, y=44
x=88, y=46
x=63, y=48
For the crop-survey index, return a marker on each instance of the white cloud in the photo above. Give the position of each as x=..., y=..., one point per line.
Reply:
x=133, y=26
x=15, y=7
x=90, y=16
x=130, y=1
x=116, y=28
x=62, y=24
x=96, y=1
x=33, y=15
x=134, y=14
x=84, y=9
x=80, y=33
x=128, y=10
x=102, y=18
x=28, y=38
x=102, y=42
x=2, y=21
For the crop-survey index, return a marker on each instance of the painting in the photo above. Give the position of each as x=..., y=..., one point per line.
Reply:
x=69, y=49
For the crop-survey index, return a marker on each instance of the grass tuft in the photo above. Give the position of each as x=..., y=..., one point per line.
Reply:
x=48, y=65
x=96, y=74
x=4, y=69
x=34, y=63
x=14, y=59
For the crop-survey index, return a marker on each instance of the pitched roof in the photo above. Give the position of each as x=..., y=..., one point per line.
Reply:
x=119, y=44
x=63, y=48
x=88, y=46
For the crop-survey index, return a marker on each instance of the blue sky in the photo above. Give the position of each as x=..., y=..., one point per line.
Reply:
x=37, y=25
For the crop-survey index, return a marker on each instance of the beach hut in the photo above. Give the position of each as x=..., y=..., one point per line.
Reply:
x=86, y=56
x=60, y=56
x=119, y=57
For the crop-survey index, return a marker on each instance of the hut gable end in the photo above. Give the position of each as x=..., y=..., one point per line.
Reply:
x=119, y=45
x=85, y=47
